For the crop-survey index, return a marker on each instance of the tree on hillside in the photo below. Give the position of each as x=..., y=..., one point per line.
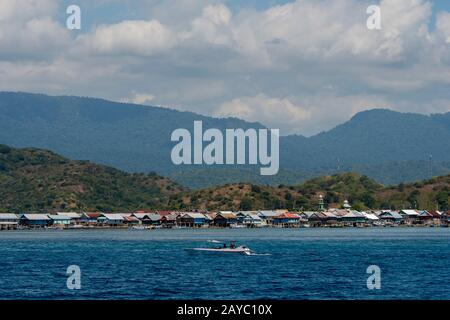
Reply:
x=246, y=204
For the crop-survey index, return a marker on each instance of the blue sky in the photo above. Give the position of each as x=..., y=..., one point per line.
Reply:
x=438, y=6
x=441, y=5
x=100, y=12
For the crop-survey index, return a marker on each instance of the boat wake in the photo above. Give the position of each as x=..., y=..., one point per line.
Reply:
x=230, y=249
x=214, y=241
x=257, y=254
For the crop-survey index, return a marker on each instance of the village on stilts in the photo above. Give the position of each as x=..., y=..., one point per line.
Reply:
x=279, y=218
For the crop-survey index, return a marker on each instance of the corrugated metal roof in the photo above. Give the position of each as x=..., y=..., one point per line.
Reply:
x=35, y=216
x=130, y=218
x=341, y=212
x=329, y=214
x=211, y=215
x=125, y=214
x=154, y=216
x=112, y=216
x=72, y=215
x=320, y=215
x=288, y=215
x=353, y=214
x=370, y=216
x=140, y=216
x=410, y=212
x=357, y=214
x=8, y=216
x=93, y=215
x=58, y=217
x=268, y=213
x=254, y=216
x=194, y=215
x=436, y=213
x=228, y=215
x=163, y=212
x=170, y=217
x=392, y=214
x=308, y=213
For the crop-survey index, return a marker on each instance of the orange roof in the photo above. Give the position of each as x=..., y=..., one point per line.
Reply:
x=93, y=214
x=130, y=218
x=228, y=215
x=164, y=212
x=288, y=215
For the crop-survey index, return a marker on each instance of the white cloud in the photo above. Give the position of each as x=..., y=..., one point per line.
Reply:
x=130, y=37
x=335, y=29
x=443, y=26
x=303, y=66
x=279, y=113
x=22, y=10
x=211, y=27
x=29, y=31
x=140, y=98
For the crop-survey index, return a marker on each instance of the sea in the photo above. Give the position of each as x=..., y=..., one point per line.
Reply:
x=288, y=264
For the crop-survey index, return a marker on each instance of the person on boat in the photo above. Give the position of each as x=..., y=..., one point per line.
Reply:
x=232, y=246
x=224, y=245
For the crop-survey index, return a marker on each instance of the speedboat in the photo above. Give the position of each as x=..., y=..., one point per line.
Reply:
x=237, y=226
x=138, y=228
x=239, y=249
x=232, y=248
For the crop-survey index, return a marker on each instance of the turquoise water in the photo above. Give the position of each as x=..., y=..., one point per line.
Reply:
x=301, y=264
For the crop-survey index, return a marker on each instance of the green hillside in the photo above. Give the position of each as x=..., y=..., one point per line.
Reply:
x=361, y=191
x=39, y=180
x=244, y=196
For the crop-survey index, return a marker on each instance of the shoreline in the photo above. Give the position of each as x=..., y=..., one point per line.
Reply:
x=262, y=219
x=126, y=228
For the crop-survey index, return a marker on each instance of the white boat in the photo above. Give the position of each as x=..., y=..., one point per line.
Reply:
x=240, y=249
x=75, y=226
x=138, y=228
x=237, y=226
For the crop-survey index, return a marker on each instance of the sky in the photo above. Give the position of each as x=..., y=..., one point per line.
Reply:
x=302, y=66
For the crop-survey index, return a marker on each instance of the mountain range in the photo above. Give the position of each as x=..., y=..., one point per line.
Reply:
x=388, y=146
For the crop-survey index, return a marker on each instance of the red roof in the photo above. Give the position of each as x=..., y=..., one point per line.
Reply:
x=435, y=214
x=93, y=215
x=288, y=215
x=144, y=211
x=164, y=213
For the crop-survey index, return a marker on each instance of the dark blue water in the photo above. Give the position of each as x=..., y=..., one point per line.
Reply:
x=303, y=264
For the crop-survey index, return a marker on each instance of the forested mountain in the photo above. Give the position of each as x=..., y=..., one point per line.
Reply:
x=388, y=146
